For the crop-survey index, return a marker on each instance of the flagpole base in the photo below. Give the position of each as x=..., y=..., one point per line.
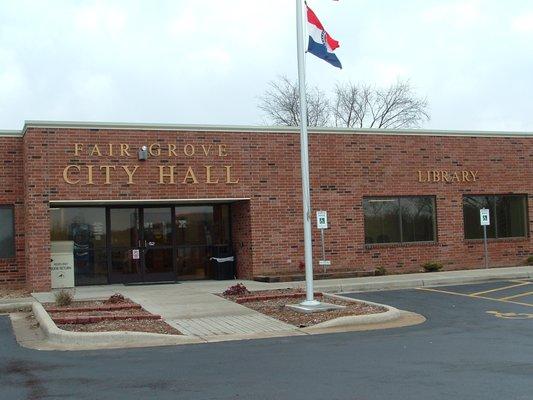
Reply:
x=310, y=303
x=313, y=306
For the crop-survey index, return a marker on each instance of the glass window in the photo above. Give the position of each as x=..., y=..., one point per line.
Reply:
x=508, y=215
x=124, y=227
x=418, y=219
x=86, y=228
x=7, y=233
x=194, y=225
x=399, y=219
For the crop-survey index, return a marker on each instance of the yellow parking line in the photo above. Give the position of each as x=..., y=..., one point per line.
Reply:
x=516, y=295
x=498, y=289
x=476, y=297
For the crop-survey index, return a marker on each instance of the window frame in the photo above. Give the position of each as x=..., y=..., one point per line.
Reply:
x=493, y=218
x=400, y=221
x=14, y=247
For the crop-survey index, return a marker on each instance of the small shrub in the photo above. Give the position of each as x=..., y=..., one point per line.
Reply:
x=115, y=299
x=432, y=266
x=380, y=271
x=63, y=298
x=529, y=260
x=236, y=290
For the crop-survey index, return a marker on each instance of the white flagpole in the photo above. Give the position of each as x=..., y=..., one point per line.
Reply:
x=304, y=154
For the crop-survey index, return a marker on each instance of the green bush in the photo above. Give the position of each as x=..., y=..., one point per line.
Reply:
x=529, y=260
x=432, y=266
x=380, y=271
x=63, y=298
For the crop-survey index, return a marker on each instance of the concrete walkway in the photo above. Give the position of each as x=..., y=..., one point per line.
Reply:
x=195, y=309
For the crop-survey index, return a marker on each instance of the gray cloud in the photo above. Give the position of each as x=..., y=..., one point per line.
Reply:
x=206, y=61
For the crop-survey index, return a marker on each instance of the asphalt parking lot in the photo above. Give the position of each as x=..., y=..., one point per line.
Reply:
x=477, y=343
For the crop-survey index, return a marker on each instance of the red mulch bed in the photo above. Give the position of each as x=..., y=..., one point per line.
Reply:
x=106, y=315
x=127, y=325
x=273, y=302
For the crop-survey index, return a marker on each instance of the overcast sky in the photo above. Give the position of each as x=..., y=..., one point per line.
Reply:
x=207, y=61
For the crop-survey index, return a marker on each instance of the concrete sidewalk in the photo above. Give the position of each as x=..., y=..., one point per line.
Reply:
x=195, y=309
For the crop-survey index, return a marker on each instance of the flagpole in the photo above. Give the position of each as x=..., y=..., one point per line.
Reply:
x=304, y=158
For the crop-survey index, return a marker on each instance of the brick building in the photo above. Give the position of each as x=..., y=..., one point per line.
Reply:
x=155, y=202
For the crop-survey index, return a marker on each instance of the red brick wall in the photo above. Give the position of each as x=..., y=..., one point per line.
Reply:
x=12, y=271
x=241, y=235
x=344, y=168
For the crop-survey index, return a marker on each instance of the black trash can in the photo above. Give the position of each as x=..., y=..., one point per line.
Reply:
x=223, y=268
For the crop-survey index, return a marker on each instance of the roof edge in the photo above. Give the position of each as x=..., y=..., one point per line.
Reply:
x=4, y=132
x=257, y=129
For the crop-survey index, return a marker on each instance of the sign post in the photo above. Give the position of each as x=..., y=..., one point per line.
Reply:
x=322, y=224
x=484, y=217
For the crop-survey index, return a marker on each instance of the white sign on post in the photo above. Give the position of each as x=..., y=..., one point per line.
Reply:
x=136, y=254
x=322, y=219
x=484, y=217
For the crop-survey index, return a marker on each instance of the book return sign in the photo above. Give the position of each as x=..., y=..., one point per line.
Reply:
x=322, y=224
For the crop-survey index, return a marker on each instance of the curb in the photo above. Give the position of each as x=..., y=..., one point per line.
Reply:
x=15, y=306
x=55, y=335
x=391, y=314
x=432, y=279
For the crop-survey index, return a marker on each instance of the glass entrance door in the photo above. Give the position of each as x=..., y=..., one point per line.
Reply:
x=141, y=244
x=125, y=242
x=157, y=246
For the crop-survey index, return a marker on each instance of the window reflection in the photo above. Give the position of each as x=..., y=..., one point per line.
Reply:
x=508, y=215
x=399, y=219
x=86, y=228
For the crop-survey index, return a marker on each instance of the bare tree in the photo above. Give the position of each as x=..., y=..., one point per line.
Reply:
x=281, y=104
x=362, y=106
x=353, y=106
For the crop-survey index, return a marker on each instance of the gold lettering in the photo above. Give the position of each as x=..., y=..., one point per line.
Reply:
x=465, y=176
x=420, y=177
x=190, y=175
x=66, y=176
x=78, y=148
x=206, y=151
x=444, y=175
x=110, y=149
x=188, y=150
x=455, y=177
x=436, y=176
x=474, y=175
x=107, y=168
x=90, y=174
x=155, y=150
x=163, y=174
x=228, y=175
x=96, y=151
x=172, y=150
x=124, y=150
x=130, y=173
x=222, y=152
x=208, y=174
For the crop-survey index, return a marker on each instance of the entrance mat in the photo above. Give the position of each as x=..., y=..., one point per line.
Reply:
x=151, y=283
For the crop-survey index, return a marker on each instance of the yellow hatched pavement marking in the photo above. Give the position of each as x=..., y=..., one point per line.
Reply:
x=498, y=289
x=476, y=297
x=516, y=295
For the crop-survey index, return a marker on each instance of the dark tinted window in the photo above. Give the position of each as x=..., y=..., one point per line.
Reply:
x=418, y=219
x=508, y=216
x=86, y=228
x=7, y=234
x=399, y=219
